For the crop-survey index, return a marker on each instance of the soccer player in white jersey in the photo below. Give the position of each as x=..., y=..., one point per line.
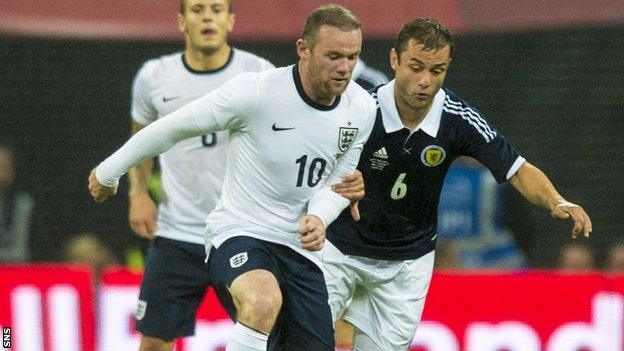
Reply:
x=379, y=268
x=175, y=279
x=294, y=132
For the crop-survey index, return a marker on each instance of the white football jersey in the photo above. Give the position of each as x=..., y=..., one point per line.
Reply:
x=285, y=153
x=193, y=170
x=283, y=149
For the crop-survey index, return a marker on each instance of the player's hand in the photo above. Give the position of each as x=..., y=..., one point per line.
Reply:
x=142, y=215
x=98, y=191
x=352, y=188
x=582, y=223
x=312, y=232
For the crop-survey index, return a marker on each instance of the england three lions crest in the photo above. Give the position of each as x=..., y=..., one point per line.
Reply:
x=346, y=136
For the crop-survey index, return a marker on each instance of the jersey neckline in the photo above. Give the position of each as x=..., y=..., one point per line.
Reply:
x=306, y=98
x=211, y=71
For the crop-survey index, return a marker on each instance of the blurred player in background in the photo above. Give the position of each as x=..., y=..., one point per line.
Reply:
x=366, y=76
x=267, y=229
x=16, y=210
x=175, y=278
x=379, y=268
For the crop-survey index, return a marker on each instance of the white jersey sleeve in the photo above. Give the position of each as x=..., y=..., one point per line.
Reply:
x=326, y=204
x=228, y=106
x=143, y=110
x=223, y=108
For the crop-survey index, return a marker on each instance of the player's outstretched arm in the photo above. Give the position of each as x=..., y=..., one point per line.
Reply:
x=533, y=184
x=351, y=188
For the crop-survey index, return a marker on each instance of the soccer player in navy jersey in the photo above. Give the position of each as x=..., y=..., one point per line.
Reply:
x=294, y=132
x=378, y=269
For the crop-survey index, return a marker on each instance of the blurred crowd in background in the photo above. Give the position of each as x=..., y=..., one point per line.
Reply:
x=471, y=228
x=548, y=74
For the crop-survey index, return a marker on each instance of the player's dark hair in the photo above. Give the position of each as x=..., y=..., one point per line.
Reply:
x=429, y=32
x=332, y=15
x=183, y=6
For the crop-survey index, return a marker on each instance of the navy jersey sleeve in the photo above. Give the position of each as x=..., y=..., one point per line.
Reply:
x=483, y=142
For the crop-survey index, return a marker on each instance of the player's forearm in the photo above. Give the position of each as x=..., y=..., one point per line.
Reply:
x=326, y=204
x=533, y=184
x=154, y=139
x=139, y=176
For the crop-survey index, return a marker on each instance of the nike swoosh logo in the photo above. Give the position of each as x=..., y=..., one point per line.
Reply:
x=166, y=99
x=278, y=129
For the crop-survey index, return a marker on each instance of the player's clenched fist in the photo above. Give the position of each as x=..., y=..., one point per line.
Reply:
x=312, y=232
x=99, y=191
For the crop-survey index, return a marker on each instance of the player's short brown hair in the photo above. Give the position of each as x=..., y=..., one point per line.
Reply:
x=429, y=32
x=183, y=6
x=332, y=15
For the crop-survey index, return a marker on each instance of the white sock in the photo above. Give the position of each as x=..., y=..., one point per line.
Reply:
x=244, y=338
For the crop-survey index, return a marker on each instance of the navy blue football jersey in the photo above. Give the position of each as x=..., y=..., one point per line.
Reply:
x=404, y=172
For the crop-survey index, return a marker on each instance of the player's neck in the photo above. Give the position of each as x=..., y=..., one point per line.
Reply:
x=410, y=116
x=310, y=90
x=202, y=61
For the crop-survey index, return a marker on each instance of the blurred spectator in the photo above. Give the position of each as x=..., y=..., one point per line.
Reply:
x=15, y=211
x=615, y=259
x=88, y=249
x=366, y=76
x=470, y=215
x=447, y=254
x=576, y=256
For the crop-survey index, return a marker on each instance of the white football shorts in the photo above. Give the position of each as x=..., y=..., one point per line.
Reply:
x=384, y=299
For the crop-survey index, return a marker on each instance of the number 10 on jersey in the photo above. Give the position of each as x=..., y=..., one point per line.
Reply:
x=315, y=170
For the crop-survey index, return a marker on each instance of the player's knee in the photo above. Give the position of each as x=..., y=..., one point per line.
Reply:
x=260, y=307
x=257, y=298
x=149, y=343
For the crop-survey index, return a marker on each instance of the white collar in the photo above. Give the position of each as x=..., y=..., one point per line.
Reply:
x=390, y=116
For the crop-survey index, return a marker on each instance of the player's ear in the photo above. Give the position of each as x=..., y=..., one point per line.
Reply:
x=394, y=60
x=231, y=20
x=181, y=23
x=302, y=49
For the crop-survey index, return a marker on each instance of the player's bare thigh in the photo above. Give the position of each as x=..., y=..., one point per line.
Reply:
x=257, y=298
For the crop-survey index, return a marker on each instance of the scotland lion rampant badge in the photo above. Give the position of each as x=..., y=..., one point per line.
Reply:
x=432, y=155
x=346, y=136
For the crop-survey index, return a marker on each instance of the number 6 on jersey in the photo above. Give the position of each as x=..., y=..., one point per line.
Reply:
x=399, y=189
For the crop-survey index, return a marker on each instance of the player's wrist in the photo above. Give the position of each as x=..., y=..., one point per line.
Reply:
x=317, y=218
x=138, y=194
x=557, y=202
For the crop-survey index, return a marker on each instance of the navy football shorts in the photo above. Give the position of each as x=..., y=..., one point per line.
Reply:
x=174, y=284
x=305, y=321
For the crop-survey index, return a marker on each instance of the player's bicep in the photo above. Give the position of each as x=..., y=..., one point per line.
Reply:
x=136, y=126
x=498, y=155
x=142, y=109
x=228, y=107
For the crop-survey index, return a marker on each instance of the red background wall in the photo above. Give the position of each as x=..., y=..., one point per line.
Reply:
x=283, y=19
